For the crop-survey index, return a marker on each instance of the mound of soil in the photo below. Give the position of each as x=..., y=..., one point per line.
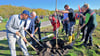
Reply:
x=50, y=49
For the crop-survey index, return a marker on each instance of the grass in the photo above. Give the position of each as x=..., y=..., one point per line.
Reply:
x=2, y=26
x=44, y=19
x=76, y=51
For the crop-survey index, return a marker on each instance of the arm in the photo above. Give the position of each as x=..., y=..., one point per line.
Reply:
x=87, y=19
x=35, y=30
x=62, y=11
x=33, y=26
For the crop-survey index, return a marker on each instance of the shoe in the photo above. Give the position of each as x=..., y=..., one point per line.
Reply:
x=82, y=40
x=89, y=44
x=84, y=44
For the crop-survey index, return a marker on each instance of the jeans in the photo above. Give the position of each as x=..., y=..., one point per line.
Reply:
x=83, y=30
x=71, y=31
x=39, y=33
x=66, y=27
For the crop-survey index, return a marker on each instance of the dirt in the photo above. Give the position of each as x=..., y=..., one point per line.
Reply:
x=51, y=50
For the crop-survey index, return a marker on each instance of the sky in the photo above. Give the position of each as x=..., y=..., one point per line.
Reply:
x=51, y=4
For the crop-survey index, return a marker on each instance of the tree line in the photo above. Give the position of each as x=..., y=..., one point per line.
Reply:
x=7, y=10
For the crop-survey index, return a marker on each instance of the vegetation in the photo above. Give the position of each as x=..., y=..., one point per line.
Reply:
x=7, y=10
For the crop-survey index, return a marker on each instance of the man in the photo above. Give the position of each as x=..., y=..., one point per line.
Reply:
x=15, y=27
x=71, y=16
x=37, y=27
x=55, y=23
x=90, y=23
x=82, y=22
x=26, y=25
x=32, y=28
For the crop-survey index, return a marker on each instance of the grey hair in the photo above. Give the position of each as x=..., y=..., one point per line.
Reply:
x=33, y=13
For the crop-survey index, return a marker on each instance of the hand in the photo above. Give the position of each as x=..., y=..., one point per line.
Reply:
x=17, y=33
x=25, y=39
x=56, y=10
x=31, y=35
x=24, y=29
x=81, y=14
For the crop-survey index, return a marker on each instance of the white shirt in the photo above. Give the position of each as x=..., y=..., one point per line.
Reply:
x=28, y=23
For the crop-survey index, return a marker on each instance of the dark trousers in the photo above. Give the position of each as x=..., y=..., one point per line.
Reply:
x=71, y=28
x=39, y=33
x=83, y=30
x=66, y=27
x=90, y=30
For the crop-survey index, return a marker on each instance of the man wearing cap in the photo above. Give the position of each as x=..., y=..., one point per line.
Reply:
x=15, y=27
x=90, y=23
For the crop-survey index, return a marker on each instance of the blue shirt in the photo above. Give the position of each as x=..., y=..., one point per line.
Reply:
x=32, y=25
x=65, y=15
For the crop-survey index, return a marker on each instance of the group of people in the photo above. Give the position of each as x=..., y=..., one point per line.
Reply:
x=18, y=25
x=87, y=23
x=30, y=22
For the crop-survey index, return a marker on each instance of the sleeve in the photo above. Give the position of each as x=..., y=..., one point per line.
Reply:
x=22, y=32
x=10, y=24
x=87, y=18
x=33, y=26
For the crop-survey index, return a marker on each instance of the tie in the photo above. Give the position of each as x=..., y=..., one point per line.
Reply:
x=25, y=23
x=20, y=22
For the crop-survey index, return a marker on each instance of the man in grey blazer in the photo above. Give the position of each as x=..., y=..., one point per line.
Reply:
x=14, y=27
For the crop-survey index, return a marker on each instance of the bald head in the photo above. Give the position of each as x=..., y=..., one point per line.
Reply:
x=33, y=14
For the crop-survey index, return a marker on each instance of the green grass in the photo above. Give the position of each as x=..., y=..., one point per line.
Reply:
x=76, y=51
x=83, y=51
x=44, y=19
x=2, y=26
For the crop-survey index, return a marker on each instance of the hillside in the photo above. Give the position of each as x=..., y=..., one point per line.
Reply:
x=8, y=10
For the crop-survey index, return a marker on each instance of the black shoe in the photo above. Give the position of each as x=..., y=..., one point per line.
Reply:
x=84, y=44
x=89, y=44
